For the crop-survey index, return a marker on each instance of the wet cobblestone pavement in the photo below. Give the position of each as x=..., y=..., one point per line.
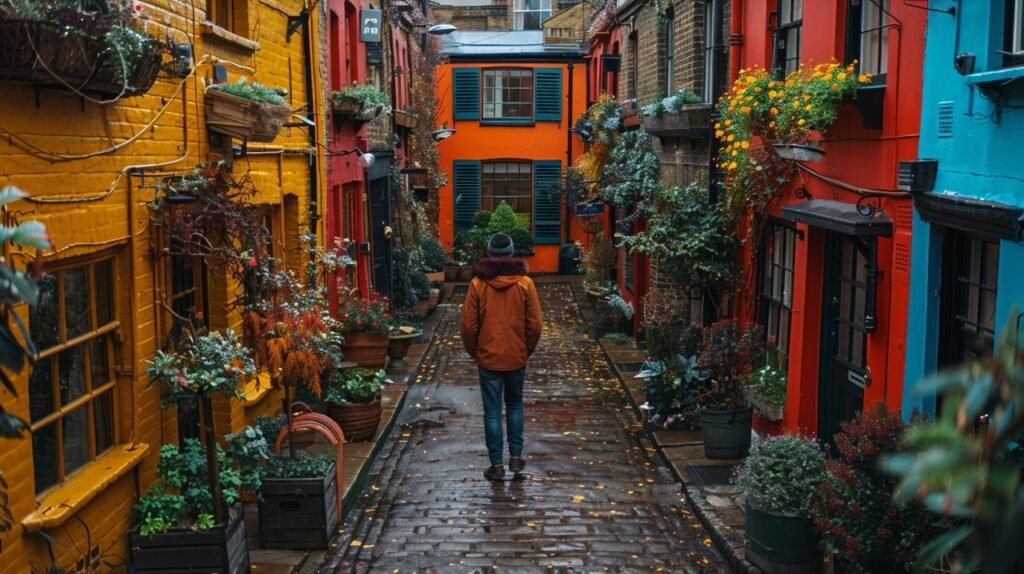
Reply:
x=593, y=498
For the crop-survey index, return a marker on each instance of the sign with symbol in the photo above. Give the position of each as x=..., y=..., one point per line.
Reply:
x=369, y=25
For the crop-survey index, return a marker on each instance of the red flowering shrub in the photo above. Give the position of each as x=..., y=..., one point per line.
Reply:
x=365, y=314
x=854, y=511
x=730, y=351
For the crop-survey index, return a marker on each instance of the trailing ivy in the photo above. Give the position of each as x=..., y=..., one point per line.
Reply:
x=633, y=174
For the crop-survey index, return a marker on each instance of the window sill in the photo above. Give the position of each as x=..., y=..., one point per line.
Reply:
x=256, y=389
x=211, y=30
x=508, y=123
x=1001, y=75
x=59, y=504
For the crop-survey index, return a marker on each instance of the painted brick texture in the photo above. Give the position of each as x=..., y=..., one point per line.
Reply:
x=93, y=209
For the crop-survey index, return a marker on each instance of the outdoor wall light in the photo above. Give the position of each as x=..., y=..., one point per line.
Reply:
x=441, y=29
x=364, y=159
x=442, y=134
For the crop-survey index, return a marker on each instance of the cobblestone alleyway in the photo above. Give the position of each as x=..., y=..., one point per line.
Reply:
x=592, y=497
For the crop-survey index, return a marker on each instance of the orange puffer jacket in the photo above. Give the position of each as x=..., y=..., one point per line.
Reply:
x=501, y=318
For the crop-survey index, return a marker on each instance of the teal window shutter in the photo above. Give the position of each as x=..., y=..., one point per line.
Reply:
x=466, y=176
x=547, y=202
x=547, y=94
x=466, y=93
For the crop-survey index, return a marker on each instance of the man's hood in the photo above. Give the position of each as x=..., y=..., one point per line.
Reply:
x=500, y=273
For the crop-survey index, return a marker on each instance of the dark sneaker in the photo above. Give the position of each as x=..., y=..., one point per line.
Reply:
x=496, y=472
x=516, y=463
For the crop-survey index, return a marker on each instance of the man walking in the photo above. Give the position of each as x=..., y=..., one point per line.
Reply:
x=501, y=325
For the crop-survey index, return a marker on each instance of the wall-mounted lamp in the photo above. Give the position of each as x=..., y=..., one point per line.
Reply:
x=303, y=121
x=442, y=134
x=365, y=159
x=441, y=29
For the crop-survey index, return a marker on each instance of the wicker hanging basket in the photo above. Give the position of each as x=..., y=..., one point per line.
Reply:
x=46, y=55
x=244, y=119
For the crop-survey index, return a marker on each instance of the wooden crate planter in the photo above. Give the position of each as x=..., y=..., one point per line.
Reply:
x=45, y=55
x=298, y=513
x=221, y=549
x=691, y=120
x=244, y=119
x=355, y=111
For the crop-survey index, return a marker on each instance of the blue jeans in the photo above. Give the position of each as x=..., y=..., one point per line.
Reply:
x=494, y=384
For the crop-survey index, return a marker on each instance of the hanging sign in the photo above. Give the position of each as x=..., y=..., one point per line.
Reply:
x=369, y=25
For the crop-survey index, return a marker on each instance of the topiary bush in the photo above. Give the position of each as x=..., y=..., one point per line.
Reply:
x=782, y=474
x=503, y=220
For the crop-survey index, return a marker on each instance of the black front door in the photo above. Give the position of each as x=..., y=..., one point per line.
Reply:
x=380, y=224
x=844, y=371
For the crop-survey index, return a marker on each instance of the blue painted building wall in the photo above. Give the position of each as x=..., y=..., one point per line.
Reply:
x=983, y=158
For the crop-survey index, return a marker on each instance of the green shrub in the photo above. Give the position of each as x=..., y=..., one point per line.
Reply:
x=432, y=255
x=523, y=241
x=503, y=220
x=482, y=219
x=254, y=91
x=782, y=474
x=302, y=465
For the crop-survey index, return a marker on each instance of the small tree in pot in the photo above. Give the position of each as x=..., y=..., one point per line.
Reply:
x=780, y=477
x=731, y=351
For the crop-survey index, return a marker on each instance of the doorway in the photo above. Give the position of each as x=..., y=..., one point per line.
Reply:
x=844, y=373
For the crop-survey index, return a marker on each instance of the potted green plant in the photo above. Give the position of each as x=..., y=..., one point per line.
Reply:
x=364, y=323
x=246, y=110
x=360, y=102
x=433, y=259
x=298, y=502
x=353, y=401
x=198, y=523
x=399, y=341
x=731, y=351
x=780, y=477
x=683, y=114
x=99, y=49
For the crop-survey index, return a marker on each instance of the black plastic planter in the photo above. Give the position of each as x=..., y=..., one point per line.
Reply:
x=298, y=513
x=221, y=549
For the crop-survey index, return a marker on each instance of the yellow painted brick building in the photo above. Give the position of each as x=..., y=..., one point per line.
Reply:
x=90, y=169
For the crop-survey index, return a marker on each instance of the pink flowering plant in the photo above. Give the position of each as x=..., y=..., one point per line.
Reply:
x=365, y=314
x=205, y=365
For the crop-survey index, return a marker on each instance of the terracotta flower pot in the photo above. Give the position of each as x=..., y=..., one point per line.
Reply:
x=368, y=350
x=451, y=272
x=435, y=298
x=359, y=422
x=465, y=273
x=424, y=307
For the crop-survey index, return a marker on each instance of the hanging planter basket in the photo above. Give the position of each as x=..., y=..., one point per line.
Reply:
x=244, y=119
x=406, y=119
x=799, y=152
x=46, y=55
x=355, y=110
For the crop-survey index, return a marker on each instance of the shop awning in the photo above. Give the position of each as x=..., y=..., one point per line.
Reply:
x=986, y=218
x=839, y=217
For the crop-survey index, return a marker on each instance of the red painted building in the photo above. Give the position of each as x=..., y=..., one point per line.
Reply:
x=829, y=282
x=346, y=178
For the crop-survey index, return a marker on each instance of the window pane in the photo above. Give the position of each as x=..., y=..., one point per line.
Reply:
x=44, y=456
x=40, y=390
x=71, y=365
x=785, y=11
x=44, y=317
x=100, y=362
x=103, y=407
x=76, y=301
x=76, y=439
x=104, y=295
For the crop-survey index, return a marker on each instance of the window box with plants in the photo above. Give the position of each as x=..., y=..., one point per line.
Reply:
x=406, y=118
x=683, y=115
x=433, y=259
x=246, y=110
x=198, y=523
x=102, y=52
x=767, y=390
x=353, y=401
x=780, y=478
x=361, y=103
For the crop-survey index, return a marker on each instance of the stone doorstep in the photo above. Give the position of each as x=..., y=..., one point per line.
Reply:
x=355, y=457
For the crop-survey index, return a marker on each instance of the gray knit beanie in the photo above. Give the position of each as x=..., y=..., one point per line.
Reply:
x=500, y=245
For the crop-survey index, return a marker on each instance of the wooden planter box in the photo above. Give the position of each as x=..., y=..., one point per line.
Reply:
x=692, y=121
x=221, y=549
x=244, y=119
x=45, y=55
x=406, y=119
x=355, y=111
x=298, y=513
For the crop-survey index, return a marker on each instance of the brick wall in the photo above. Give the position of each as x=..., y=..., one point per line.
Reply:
x=488, y=17
x=95, y=209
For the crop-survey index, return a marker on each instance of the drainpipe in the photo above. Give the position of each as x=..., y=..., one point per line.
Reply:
x=717, y=16
x=568, y=153
x=735, y=35
x=307, y=66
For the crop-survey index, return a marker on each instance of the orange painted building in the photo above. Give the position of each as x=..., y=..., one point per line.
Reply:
x=511, y=100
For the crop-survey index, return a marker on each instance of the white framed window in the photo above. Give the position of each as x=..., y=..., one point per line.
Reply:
x=530, y=14
x=1014, y=43
x=788, y=36
x=508, y=94
x=872, y=35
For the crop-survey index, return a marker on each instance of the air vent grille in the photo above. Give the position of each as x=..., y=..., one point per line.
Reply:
x=945, y=119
